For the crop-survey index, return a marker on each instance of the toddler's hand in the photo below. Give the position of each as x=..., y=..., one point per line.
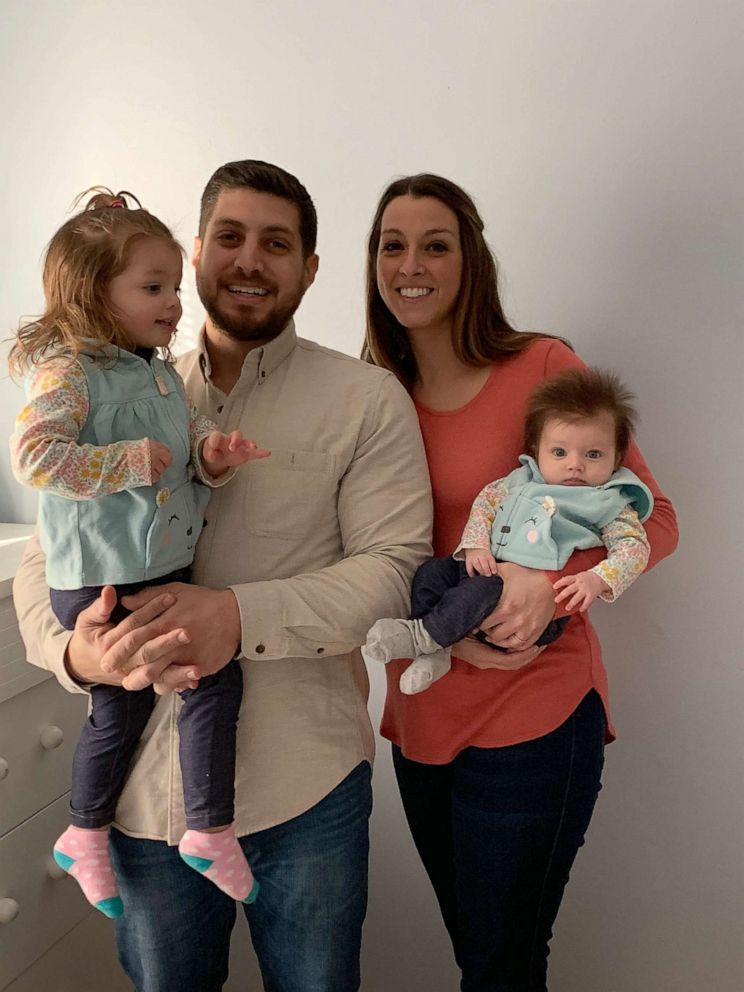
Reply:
x=480, y=562
x=582, y=589
x=223, y=451
x=160, y=458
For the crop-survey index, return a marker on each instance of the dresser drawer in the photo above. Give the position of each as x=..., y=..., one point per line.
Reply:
x=16, y=675
x=39, y=729
x=83, y=961
x=47, y=907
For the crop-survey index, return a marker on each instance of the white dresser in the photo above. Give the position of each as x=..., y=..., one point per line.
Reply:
x=51, y=940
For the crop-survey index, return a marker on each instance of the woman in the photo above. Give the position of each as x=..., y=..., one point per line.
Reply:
x=499, y=762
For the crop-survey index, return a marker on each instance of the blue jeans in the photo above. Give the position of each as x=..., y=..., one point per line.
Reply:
x=498, y=830
x=306, y=924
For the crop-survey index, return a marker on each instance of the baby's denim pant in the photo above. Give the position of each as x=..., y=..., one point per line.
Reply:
x=451, y=604
x=207, y=726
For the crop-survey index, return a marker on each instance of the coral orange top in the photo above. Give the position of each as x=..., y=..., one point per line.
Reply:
x=467, y=448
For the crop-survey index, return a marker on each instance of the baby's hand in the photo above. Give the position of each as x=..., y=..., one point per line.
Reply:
x=160, y=458
x=480, y=562
x=583, y=589
x=223, y=451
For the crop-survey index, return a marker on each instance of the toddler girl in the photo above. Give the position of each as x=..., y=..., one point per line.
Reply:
x=569, y=493
x=122, y=464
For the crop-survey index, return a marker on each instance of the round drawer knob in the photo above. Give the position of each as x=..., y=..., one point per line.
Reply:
x=8, y=910
x=54, y=870
x=51, y=737
x=4, y=769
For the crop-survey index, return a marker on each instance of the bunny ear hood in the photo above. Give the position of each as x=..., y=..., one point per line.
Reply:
x=638, y=494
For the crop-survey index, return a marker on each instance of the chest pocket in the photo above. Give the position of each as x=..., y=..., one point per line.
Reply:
x=291, y=494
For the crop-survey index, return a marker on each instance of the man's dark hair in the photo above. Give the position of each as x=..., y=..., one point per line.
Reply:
x=263, y=177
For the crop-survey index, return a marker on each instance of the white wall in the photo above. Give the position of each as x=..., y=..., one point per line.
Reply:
x=604, y=142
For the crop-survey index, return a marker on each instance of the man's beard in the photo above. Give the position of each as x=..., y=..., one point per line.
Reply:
x=246, y=327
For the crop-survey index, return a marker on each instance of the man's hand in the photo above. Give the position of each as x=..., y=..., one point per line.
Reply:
x=223, y=451
x=478, y=561
x=95, y=635
x=525, y=609
x=209, y=618
x=582, y=588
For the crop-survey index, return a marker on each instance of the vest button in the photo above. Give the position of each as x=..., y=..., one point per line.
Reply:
x=260, y=648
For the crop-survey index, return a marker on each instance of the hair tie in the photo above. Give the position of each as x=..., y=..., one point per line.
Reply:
x=118, y=201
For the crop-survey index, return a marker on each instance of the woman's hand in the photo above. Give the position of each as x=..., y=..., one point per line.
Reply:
x=94, y=636
x=478, y=655
x=525, y=609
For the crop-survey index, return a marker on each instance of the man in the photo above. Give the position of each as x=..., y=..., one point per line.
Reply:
x=296, y=563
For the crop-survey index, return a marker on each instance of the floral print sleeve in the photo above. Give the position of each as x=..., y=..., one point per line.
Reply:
x=628, y=551
x=45, y=452
x=477, y=533
x=200, y=427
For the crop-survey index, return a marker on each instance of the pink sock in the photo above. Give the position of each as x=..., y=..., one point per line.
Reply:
x=84, y=854
x=219, y=857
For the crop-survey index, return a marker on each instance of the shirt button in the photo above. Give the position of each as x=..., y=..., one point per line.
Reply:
x=260, y=648
x=320, y=650
x=220, y=408
x=263, y=374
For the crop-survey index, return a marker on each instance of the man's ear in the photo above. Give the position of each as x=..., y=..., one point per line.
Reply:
x=311, y=270
x=195, y=254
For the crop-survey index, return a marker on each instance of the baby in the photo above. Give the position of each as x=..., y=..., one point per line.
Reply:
x=569, y=493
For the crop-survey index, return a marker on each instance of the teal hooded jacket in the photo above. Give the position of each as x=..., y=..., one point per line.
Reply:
x=540, y=525
x=136, y=534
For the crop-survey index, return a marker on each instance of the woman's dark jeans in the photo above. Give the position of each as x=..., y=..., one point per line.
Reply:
x=498, y=830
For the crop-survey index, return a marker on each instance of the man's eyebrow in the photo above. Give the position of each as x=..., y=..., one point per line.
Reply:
x=270, y=228
x=228, y=222
x=280, y=229
x=427, y=234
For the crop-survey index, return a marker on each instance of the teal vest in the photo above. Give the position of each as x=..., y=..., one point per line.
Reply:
x=137, y=534
x=541, y=525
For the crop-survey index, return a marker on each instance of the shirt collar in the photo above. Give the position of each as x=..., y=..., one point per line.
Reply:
x=260, y=362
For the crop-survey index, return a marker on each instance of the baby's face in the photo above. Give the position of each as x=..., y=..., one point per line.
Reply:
x=578, y=452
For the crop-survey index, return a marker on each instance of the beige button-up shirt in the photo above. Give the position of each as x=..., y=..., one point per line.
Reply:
x=317, y=542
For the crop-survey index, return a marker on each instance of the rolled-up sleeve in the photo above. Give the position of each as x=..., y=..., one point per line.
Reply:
x=44, y=637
